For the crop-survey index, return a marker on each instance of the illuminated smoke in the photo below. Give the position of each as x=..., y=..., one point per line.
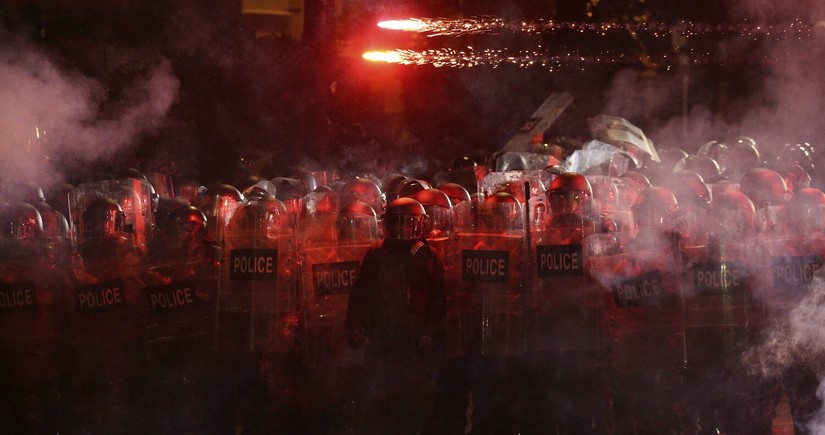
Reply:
x=49, y=114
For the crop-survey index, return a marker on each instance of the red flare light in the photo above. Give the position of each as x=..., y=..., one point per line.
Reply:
x=410, y=25
x=383, y=56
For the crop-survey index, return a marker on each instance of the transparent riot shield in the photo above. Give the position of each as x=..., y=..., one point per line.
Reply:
x=328, y=274
x=720, y=305
x=178, y=299
x=29, y=303
x=564, y=309
x=327, y=279
x=257, y=310
x=642, y=297
x=489, y=300
x=133, y=195
x=102, y=323
x=449, y=251
x=789, y=265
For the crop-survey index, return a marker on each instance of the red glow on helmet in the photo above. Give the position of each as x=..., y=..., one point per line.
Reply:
x=764, y=187
x=571, y=181
x=357, y=208
x=22, y=221
x=433, y=197
x=501, y=198
x=637, y=177
x=102, y=218
x=404, y=219
x=410, y=186
x=797, y=154
x=456, y=192
x=361, y=186
x=406, y=205
x=655, y=207
x=224, y=190
x=703, y=165
x=808, y=196
x=689, y=188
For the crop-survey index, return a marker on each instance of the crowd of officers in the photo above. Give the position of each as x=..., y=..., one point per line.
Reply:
x=516, y=301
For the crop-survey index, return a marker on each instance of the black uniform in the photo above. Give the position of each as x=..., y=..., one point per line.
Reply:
x=397, y=310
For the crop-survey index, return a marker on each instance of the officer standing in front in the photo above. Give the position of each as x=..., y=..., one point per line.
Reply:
x=397, y=311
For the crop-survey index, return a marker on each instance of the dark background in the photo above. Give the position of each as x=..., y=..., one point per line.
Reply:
x=281, y=104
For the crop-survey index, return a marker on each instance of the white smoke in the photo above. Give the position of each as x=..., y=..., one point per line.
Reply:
x=48, y=113
x=785, y=106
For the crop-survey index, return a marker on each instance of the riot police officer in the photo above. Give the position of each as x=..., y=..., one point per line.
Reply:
x=397, y=311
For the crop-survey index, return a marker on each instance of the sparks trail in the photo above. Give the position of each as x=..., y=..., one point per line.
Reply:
x=490, y=25
x=470, y=57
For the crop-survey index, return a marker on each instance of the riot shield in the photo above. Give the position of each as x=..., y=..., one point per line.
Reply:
x=720, y=306
x=257, y=309
x=327, y=279
x=642, y=298
x=133, y=195
x=788, y=269
x=102, y=322
x=29, y=303
x=488, y=298
x=178, y=299
x=564, y=309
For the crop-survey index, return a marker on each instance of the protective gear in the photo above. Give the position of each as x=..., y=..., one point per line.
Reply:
x=797, y=154
x=655, y=210
x=183, y=229
x=669, y=157
x=765, y=187
x=288, y=189
x=409, y=187
x=795, y=177
x=741, y=156
x=218, y=203
x=713, y=149
x=805, y=211
x=357, y=221
x=30, y=303
x=488, y=301
x=439, y=210
x=702, y=165
x=500, y=212
x=256, y=300
x=247, y=181
x=104, y=317
x=639, y=178
x=365, y=190
x=401, y=330
x=631, y=184
x=264, y=218
x=189, y=190
x=605, y=192
x=721, y=314
x=322, y=200
x=456, y=192
x=644, y=333
x=389, y=185
x=569, y=193
x=689, y=189
x=102, y=219
x=329, y=272
x=404, y=219
x=22, y=222
x=732, y=216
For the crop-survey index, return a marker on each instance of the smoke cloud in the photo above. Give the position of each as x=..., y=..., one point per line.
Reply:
x=781, y=102
x=49, y=114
